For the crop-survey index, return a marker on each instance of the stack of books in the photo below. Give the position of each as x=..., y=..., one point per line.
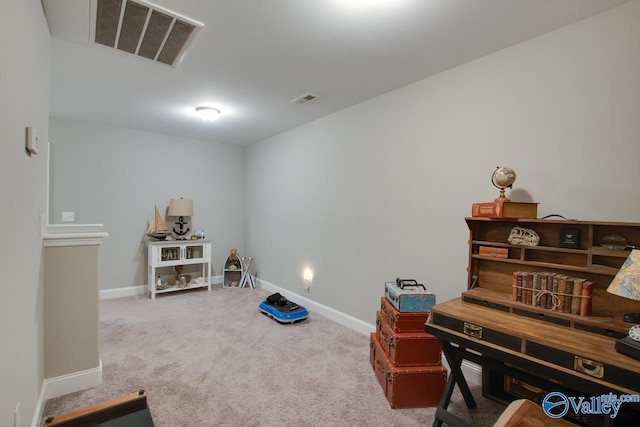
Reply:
x=500, y=208
x=553, y=291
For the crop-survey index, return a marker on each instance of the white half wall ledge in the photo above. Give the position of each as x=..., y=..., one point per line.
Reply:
x=72, y=235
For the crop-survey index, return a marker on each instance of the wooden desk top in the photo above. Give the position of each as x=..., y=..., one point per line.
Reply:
x=532, y=332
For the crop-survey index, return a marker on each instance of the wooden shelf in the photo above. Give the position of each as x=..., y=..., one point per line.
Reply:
x=589, y=261
x=172, y=253
x=599, y=250
x=546, y=265
x=531, y=248
x=602, y=325
x=191, y=285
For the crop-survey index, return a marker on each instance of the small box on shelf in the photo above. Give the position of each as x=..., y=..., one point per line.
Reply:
x=493, y=252
x=569, y=238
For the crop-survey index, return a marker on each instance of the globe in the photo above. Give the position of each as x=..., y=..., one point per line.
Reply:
x=503, y=178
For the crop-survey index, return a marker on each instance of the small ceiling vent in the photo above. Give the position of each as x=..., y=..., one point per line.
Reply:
x=142, y=29
x=304, y=98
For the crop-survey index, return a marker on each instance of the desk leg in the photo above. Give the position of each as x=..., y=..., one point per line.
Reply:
x=455, y=360
x=454, y=357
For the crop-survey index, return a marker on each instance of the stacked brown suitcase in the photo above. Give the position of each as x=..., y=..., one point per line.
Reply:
x=406, y=359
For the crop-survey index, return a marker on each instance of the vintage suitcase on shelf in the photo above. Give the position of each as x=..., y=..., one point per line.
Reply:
x=409, y=295
x=407, y=386
x=407, y=348
x=408, y=321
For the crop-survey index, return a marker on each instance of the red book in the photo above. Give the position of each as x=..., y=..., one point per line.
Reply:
x=535, y=296
x=562, y=283
x=552, y=285
x=587, y=292
x=544, y=277
x=568, y=290
x=514, y=286
x=504, y=209
x=577, y=293
x=528, y=284
x=520, y=293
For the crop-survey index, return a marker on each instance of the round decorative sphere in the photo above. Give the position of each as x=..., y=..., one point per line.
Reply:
x=503, y=177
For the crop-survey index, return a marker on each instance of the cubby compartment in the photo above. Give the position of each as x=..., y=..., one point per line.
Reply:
x=562, y=258
x=490, y=278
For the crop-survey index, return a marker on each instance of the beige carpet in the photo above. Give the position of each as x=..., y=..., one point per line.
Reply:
x=212, y=359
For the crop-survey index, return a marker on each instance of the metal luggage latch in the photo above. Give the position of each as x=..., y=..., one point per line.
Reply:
x=472, y=330
x=588, y=366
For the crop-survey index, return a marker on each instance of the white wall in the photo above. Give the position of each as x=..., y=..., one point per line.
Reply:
x=24, y=101
x=381, y=189
x=115, y=176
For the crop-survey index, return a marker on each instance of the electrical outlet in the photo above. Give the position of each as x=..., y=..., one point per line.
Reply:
x=68, y=216
x=16, y=416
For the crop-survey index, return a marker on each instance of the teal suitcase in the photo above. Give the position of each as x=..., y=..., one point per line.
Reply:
x=409, y=295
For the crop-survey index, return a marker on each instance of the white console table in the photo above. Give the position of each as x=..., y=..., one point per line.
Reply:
x=171, y=253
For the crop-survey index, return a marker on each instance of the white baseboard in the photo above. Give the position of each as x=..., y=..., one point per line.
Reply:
x=123, y=292
x=65, y=384
x=328, y=312
x=472, y=372
x=76, y=381
x=37, y=413
x=138, y=290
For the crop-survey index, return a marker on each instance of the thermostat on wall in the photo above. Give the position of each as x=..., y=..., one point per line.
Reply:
x=33, y=142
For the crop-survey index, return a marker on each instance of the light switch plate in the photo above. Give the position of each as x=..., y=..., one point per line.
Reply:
x=33, y=142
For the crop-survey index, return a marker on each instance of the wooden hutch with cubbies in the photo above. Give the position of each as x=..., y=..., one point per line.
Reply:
x=529, y=350
x=491, y=277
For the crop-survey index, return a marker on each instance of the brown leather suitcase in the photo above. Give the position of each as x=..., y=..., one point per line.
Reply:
x=403, y=321
x=378, y=368
x=407, y=386
x=407, y=348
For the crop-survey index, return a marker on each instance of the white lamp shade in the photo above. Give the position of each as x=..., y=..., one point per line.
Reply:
x=180, y=207
x=627, y=282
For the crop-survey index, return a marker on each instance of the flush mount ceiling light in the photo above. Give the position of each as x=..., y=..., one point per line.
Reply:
x=208, y=114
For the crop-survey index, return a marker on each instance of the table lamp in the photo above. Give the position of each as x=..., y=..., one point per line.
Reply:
x=180, y=208
x=626, y=284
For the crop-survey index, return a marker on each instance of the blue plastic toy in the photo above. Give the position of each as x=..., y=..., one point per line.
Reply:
x=282, y=310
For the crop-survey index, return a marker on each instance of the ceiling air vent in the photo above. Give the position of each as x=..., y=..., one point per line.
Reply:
x=142, y=29
x=304, y=98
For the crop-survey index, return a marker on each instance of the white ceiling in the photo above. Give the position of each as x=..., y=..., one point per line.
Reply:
x=254, y=56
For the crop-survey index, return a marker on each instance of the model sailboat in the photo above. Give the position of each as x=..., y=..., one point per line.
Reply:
x=157, y=228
